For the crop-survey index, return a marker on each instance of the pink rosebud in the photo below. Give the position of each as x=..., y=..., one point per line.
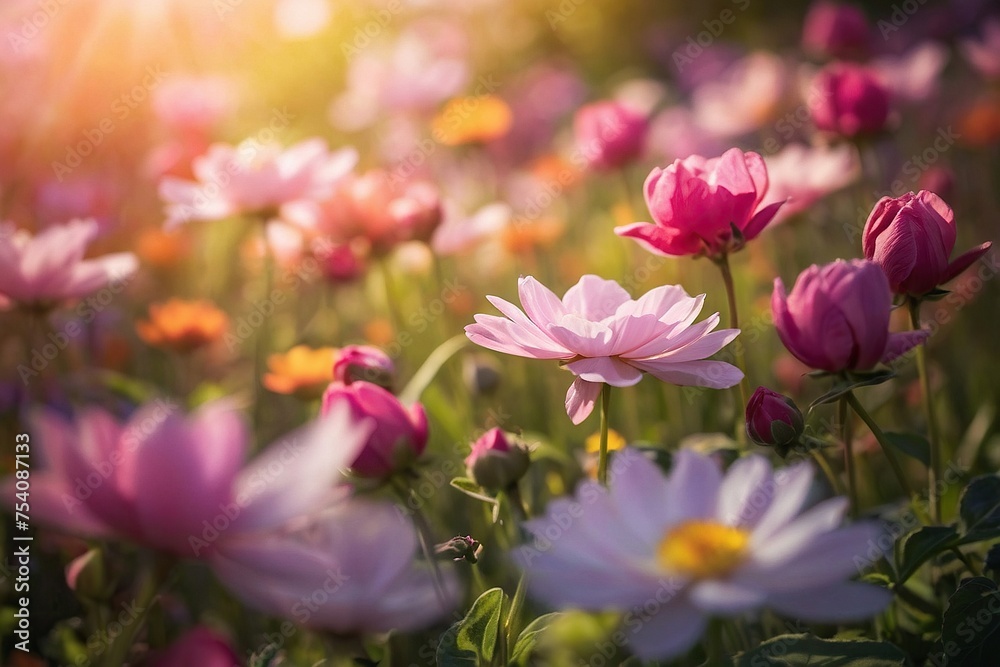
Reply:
x=494, y=462
x=200, y=646
x=400, y=433
x=773, y=420
x=848, y=100
x=911, y=238
x=696, y=203
x=364, y=363
x=836, y=317
x=609, y=134
x=835, y=30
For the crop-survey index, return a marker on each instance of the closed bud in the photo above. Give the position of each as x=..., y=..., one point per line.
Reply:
x=460, y=548
x=495, y=463
x=773, y=420
x=481, y=374
x=364, y=363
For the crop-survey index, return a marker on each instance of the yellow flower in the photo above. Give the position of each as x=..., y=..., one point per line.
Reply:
x=466, y=120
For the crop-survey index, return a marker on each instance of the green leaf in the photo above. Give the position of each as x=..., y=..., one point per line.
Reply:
x=470, y=488
x=435, y=361
x=979, y=506
x=854, y=381
x=473, y=640
x=920, y=546
x=805, y=649
x=970, y=632
x=528, y=639
x=911, y=444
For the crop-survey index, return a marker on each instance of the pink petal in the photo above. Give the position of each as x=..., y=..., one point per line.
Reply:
x=590, y=339
x=580, y=399
x=594, y=298
x=761, y=219
x=901, y=343
x=712, y=374
x=539, y=303
x=965, y=260
x=500, y=335
x=605, y=369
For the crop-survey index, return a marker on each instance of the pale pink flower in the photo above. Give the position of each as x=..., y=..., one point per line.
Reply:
x=254, y=179
x=914, y=75
x=459, y=232
x=984, y=53
x=602, y=335
x=48, y=268
x=743, y=98
x=193, y=104
x=801, y=175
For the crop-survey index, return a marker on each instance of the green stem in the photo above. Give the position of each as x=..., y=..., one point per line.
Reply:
x=602, y=461
x=890, y=453
x=424, y=535
x=734, y=323
x=824, y=466
x=263, y=338
x=934, y=470
x=152, y=580
x=516, y=503
x=852, y=476
x=512, y=625
x=715, y=650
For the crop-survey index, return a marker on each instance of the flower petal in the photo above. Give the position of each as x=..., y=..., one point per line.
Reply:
x=605, y=369
x=839, y=603
x=580, y=399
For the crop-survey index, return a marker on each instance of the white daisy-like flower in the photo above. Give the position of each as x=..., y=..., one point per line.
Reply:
x=671, y=552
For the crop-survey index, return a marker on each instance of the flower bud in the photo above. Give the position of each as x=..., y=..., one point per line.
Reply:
x=481, y=374
x=364, y=363
x=495, y=463
x=773, y=420
x=460, y=548
x=848, y=100
x=609, y=134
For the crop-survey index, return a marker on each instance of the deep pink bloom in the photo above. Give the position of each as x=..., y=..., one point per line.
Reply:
x=848, y=100
x=836, y=317
x=604, y=336
x=49, y=268
x=609, y=134
x=399, y=435
x=199, y=646
x=254, y=179
x=911, y=238
x=355, y=363
x=773, y=420
x=181, y=484
x=801, y=175
x=696, y=202
x=836, y=30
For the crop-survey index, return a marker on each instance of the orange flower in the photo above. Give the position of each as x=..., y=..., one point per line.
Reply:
x=526, y=234
x=161, y=249
x=182, y=325
x=979, y=125
x=303, y=371
x=466, y=120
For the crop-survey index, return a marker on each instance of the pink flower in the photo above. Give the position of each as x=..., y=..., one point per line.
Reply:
x=743, y=97
x=773, y=420
x=199, y=646
x=362, y=559
x=801, y=175
x=697, y=202
x=254, y=179
x=603, y=336
x=836, y=30
x=399, y=435
x=848, y=100
x=609, y=134
x=355, y=363
x=837, y=317
x=911, y=238
x=984, y=53
x=912, y=76
x=49, y=268
x=193, y=104
x=494, y=462
x=180, y=484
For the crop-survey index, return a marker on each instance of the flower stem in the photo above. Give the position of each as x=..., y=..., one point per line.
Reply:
x=852, y=477
x=263, y=337
x=824, y=466
x=152, y=580
x=602, y=461
x=734, y=323
x=934, y=470
x=715, y=651
x=424, y=535
x=890, y=453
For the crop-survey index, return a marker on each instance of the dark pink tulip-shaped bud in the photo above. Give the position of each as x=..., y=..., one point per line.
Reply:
x=400, y=433
x=609, y=134
x=835, y=30
x=495, y=463
x=201, y=647
x=836, y=317
x=364, y=363
x=773, y=420
x=911, y=238
x=848, y=100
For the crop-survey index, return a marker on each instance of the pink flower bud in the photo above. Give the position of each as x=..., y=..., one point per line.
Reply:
x=201, y=647
x=835, y=30
x=848, y=100
x=773, y=420
x=911, y=238
x=609, y=134
x=494, y=462
x=400, y=433
x=364, y=363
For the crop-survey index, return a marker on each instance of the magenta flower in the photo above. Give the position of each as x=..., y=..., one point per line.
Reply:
x=181, y=484
x=198, y=646
x=355, y=363
x=609, y=134
x=836, y=30
x=837, y=317
x=911, y=238
x=604, y=336
x=849, y=100
x=254, y=179
x=773, y=420
x=49, y=268
x=696, y=203
x=399, y=435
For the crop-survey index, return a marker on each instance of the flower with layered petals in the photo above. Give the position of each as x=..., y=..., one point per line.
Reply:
x=161, y=479
x=911, y=238
x=836, y=317
x=48, y=268
x=602, y=335
x=703, y=544
x=704, y=206
x=254, y=179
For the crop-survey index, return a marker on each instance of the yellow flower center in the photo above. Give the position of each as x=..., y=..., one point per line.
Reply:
x=703, y=549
